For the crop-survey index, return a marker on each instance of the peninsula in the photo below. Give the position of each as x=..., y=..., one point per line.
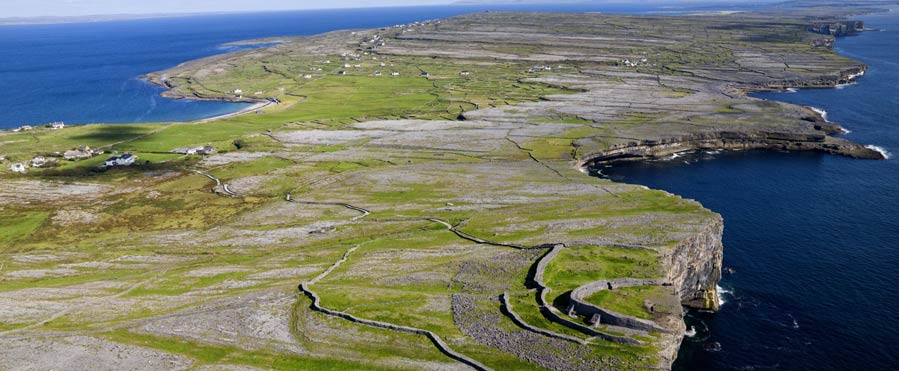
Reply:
x=410, y=197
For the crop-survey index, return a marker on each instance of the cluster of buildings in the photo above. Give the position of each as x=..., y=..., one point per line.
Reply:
x=635, y=63
x=36, y=162
x=59, y=125
x=81, y=153
x=539, y=68
x=75, y=154
x=203, y=150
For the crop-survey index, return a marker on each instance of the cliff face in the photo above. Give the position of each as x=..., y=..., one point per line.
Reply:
x=694, y=269
x=648, y=149
x=842, y=28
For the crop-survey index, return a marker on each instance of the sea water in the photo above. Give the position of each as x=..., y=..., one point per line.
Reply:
x=91, y=72
x=812, y=240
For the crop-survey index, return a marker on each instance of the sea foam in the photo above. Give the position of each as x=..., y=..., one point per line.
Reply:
x=857, y=75
x=691, y=332
x=821, y=112
x=721, y=292
x=886, y=154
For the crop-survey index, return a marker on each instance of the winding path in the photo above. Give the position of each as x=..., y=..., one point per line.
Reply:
x=218, y=184
x=364, y=212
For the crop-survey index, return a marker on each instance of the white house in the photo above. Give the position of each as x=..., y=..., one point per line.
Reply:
x=377, y=73
x=465, y=73
x=123, y=160
x=18, y=168
x=341, y=73
x=425, y=74
x=57, y=125
x=206, y=150
x=237, y=91
x=77, y=154
x=307, y=76
x=394, y=73
x=38, y=161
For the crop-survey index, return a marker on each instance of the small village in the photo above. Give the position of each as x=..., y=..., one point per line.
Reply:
x=85, y=152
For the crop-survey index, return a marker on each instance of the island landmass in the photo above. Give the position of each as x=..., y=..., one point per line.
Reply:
x=409, y=197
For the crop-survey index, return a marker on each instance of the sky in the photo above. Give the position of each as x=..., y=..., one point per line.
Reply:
x=76, y=8
x=70, y=8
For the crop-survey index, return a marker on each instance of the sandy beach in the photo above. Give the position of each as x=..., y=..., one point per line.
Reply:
x=253, y=108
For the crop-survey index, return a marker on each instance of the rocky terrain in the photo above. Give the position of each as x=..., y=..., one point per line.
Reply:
x=440, y=218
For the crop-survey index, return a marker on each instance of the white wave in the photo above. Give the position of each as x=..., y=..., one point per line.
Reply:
x=845, y=131
x=791, y=90
x=843, y=86
x=821, y=112
x=721, y=292
x=857, y=75
x=795, y=324
x=886, y=154
x=715, y=152
x=691, y=332
x=674, y=156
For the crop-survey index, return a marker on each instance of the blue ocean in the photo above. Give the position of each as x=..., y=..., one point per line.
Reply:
x=812, y=240
x=91, y=72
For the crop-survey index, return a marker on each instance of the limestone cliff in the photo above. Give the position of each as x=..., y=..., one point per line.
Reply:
x=694, y=269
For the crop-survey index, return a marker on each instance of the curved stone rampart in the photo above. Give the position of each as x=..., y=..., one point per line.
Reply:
x=547, y=309
x=441, y=345
x=507, y=306
x=580, y=306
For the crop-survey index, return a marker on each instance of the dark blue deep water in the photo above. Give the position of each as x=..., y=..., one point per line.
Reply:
x=813, y=239
x=90, y=73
